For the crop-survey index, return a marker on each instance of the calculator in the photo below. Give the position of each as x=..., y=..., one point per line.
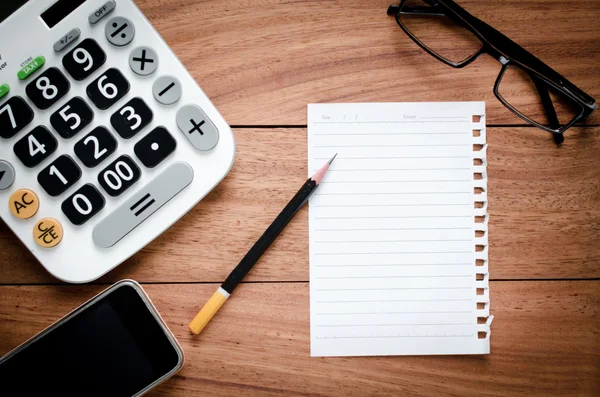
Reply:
x=105, y=138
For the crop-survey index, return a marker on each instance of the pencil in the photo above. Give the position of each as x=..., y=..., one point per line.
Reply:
x=285, y=216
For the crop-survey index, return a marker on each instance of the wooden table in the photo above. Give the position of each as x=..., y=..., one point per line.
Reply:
x=261, y=62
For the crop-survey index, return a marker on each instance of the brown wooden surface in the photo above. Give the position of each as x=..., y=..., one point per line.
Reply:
x=544, y=342
x=261, y=62
x=543, y=204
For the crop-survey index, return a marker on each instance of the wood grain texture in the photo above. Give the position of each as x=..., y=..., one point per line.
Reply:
x=543, y=205
x=544, y=342
x=262, y=61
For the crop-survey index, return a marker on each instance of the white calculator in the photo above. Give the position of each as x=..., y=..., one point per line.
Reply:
x=105, y=138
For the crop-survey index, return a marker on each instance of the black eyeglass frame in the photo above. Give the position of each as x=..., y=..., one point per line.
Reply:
x=508, y=53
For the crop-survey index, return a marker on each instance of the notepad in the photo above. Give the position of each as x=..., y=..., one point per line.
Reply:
x=398, y=229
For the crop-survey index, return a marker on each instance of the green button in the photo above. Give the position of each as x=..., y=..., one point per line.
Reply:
x=4, y=88
x=31, y=67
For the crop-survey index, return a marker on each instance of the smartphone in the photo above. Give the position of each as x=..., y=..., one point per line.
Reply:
x=116, y=344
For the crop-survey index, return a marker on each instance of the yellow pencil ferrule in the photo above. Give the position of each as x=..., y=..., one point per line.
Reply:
x=208, y=310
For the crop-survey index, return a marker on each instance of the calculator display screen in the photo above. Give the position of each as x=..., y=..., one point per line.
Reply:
x=8, y=7
x=59, y=11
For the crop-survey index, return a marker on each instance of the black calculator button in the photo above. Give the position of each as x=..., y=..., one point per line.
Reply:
x=119, y=176
x=95, y=147
x=155, y=147
x=35, y=147
x=47, y=89
x=108, y=89
x=74, y=116
x=83, y=204
x=15, y=114
x=60, y=175
x=131, y=118
x=84, y=59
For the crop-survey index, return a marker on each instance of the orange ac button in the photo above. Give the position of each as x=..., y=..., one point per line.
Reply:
x=24, y=203
x=47, y=232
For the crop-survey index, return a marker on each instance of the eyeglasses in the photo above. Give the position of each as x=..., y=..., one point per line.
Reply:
x=527, y=86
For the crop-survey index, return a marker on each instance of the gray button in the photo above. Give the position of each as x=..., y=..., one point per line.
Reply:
x=120, y=31
x=143, y=61
x=143, y=204
x=7, y=175
x=101, y=12
x=197, y=127
x=167, y=90
x=66, y=40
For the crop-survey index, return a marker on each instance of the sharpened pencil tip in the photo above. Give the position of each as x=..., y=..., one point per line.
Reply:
x=333, y=158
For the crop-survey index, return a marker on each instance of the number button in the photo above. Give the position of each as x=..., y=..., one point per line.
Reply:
x=131, y=118
x=108, y=89
x=15, y=114
x=83, y=205
x=119, y=176
x=72, y=118
x=84, y=59
x=155, y=147
x=95, y=147
x=35, y=147
x=47, y=89
x=60, y=175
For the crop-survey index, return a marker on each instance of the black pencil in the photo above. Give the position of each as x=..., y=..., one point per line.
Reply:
x=285, y=216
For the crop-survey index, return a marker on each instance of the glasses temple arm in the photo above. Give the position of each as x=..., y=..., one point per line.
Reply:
x=548, y=108
x=414, y=10
x=546, y=102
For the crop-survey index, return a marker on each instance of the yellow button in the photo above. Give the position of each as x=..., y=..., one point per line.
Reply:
x=47, y=232
x=24, y=203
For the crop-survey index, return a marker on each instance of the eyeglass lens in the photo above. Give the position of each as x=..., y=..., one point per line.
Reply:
x=439, y=33
x=527, y=94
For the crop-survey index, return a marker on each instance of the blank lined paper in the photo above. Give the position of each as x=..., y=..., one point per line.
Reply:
x=398, y=229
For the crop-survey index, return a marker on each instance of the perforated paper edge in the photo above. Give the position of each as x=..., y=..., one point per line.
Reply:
x=480, y=200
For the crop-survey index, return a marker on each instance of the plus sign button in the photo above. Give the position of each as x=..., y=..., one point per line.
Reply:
x=143, y=61
x=197, y=127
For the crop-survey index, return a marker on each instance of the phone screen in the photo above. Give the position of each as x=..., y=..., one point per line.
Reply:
x=115, y=347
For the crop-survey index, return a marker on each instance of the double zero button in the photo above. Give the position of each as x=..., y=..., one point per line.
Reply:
x=119, y=176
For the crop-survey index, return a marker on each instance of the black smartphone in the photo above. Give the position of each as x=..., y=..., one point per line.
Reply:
x=116, y=344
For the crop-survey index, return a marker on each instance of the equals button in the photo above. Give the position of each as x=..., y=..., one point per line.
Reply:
x=142, y=205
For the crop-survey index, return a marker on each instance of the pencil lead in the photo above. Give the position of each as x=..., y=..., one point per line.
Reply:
x=333, y=158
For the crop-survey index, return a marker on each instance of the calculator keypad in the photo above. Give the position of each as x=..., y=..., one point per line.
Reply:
x=119, y=176
x=70, y=117
x=35, y=147
x=155, y=147
x=83, y=204
x=60, y=175
x=74, y=116
x=84, y=59
x=107, y=89
x=48, y=88
x=131, y=118
x=95, y=147
x=15, y=114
